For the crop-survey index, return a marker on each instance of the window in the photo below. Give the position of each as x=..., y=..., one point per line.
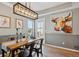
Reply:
x=30, y=28
x=40, y=29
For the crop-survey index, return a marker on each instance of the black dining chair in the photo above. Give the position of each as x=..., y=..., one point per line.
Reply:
x=12, y=38
x=27, y=52
x=38, y=47
x=5, y=54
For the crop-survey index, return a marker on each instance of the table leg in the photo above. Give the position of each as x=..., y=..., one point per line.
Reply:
x=12, y=53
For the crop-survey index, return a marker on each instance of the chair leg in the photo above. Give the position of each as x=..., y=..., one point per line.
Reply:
x=37, y=54
x=41, y=52
x=37, y=51
x=2, y=53
x=30, y=55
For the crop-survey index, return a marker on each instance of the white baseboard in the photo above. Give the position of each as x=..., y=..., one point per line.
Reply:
x=62, y=48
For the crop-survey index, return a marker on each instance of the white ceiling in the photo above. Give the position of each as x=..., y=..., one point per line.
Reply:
x=37, y=6
x=43, y=5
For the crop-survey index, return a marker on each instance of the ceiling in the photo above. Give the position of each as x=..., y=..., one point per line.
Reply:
x=37, y=6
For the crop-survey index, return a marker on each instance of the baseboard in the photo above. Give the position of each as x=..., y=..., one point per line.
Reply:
x=62, y=48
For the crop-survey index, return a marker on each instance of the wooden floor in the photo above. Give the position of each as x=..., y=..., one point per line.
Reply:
x=56, y=52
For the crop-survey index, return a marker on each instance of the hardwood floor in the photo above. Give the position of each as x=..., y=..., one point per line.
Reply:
x=56, y=52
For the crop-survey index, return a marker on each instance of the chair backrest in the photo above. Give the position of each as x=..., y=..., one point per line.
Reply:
x=5, y=54
x=12, y=38
x=23, y=36
x=41, y=42
x=31, y=48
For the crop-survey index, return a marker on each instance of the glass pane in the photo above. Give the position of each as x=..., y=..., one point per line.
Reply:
x=30, y=28
x=39, y=29
x=29, y=24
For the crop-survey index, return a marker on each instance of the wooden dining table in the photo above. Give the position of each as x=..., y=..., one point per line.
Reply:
x=15, y=46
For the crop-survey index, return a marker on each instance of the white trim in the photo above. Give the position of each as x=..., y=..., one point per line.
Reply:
x=62, y=10
x=59, y=33
x=62, y=48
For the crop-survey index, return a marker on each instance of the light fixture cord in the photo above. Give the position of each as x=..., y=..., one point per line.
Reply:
x=29, y=4
x=26, y=4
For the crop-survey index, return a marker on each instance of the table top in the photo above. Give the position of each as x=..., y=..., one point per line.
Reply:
x=16, y=45
x=13, y=45
x=20, y=43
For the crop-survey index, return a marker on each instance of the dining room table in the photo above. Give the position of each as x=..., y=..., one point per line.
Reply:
x=13, y=45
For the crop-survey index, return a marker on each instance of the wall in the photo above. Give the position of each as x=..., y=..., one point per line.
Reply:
x=61, y=39
x=67, y=40
x=7, y=11
x=76, y=21
x=64, y=39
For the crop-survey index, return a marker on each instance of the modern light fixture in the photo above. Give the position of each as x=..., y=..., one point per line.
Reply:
x=24, y=11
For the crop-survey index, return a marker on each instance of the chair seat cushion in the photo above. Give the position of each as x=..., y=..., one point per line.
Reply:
x=24, y=53
x=37, y=46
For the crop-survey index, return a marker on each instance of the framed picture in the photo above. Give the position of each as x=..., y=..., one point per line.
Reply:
x=19, y=24
x=5, y=21
x=63, y=22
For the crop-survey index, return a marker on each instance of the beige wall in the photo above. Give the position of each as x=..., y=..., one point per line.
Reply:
x=7, y=11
